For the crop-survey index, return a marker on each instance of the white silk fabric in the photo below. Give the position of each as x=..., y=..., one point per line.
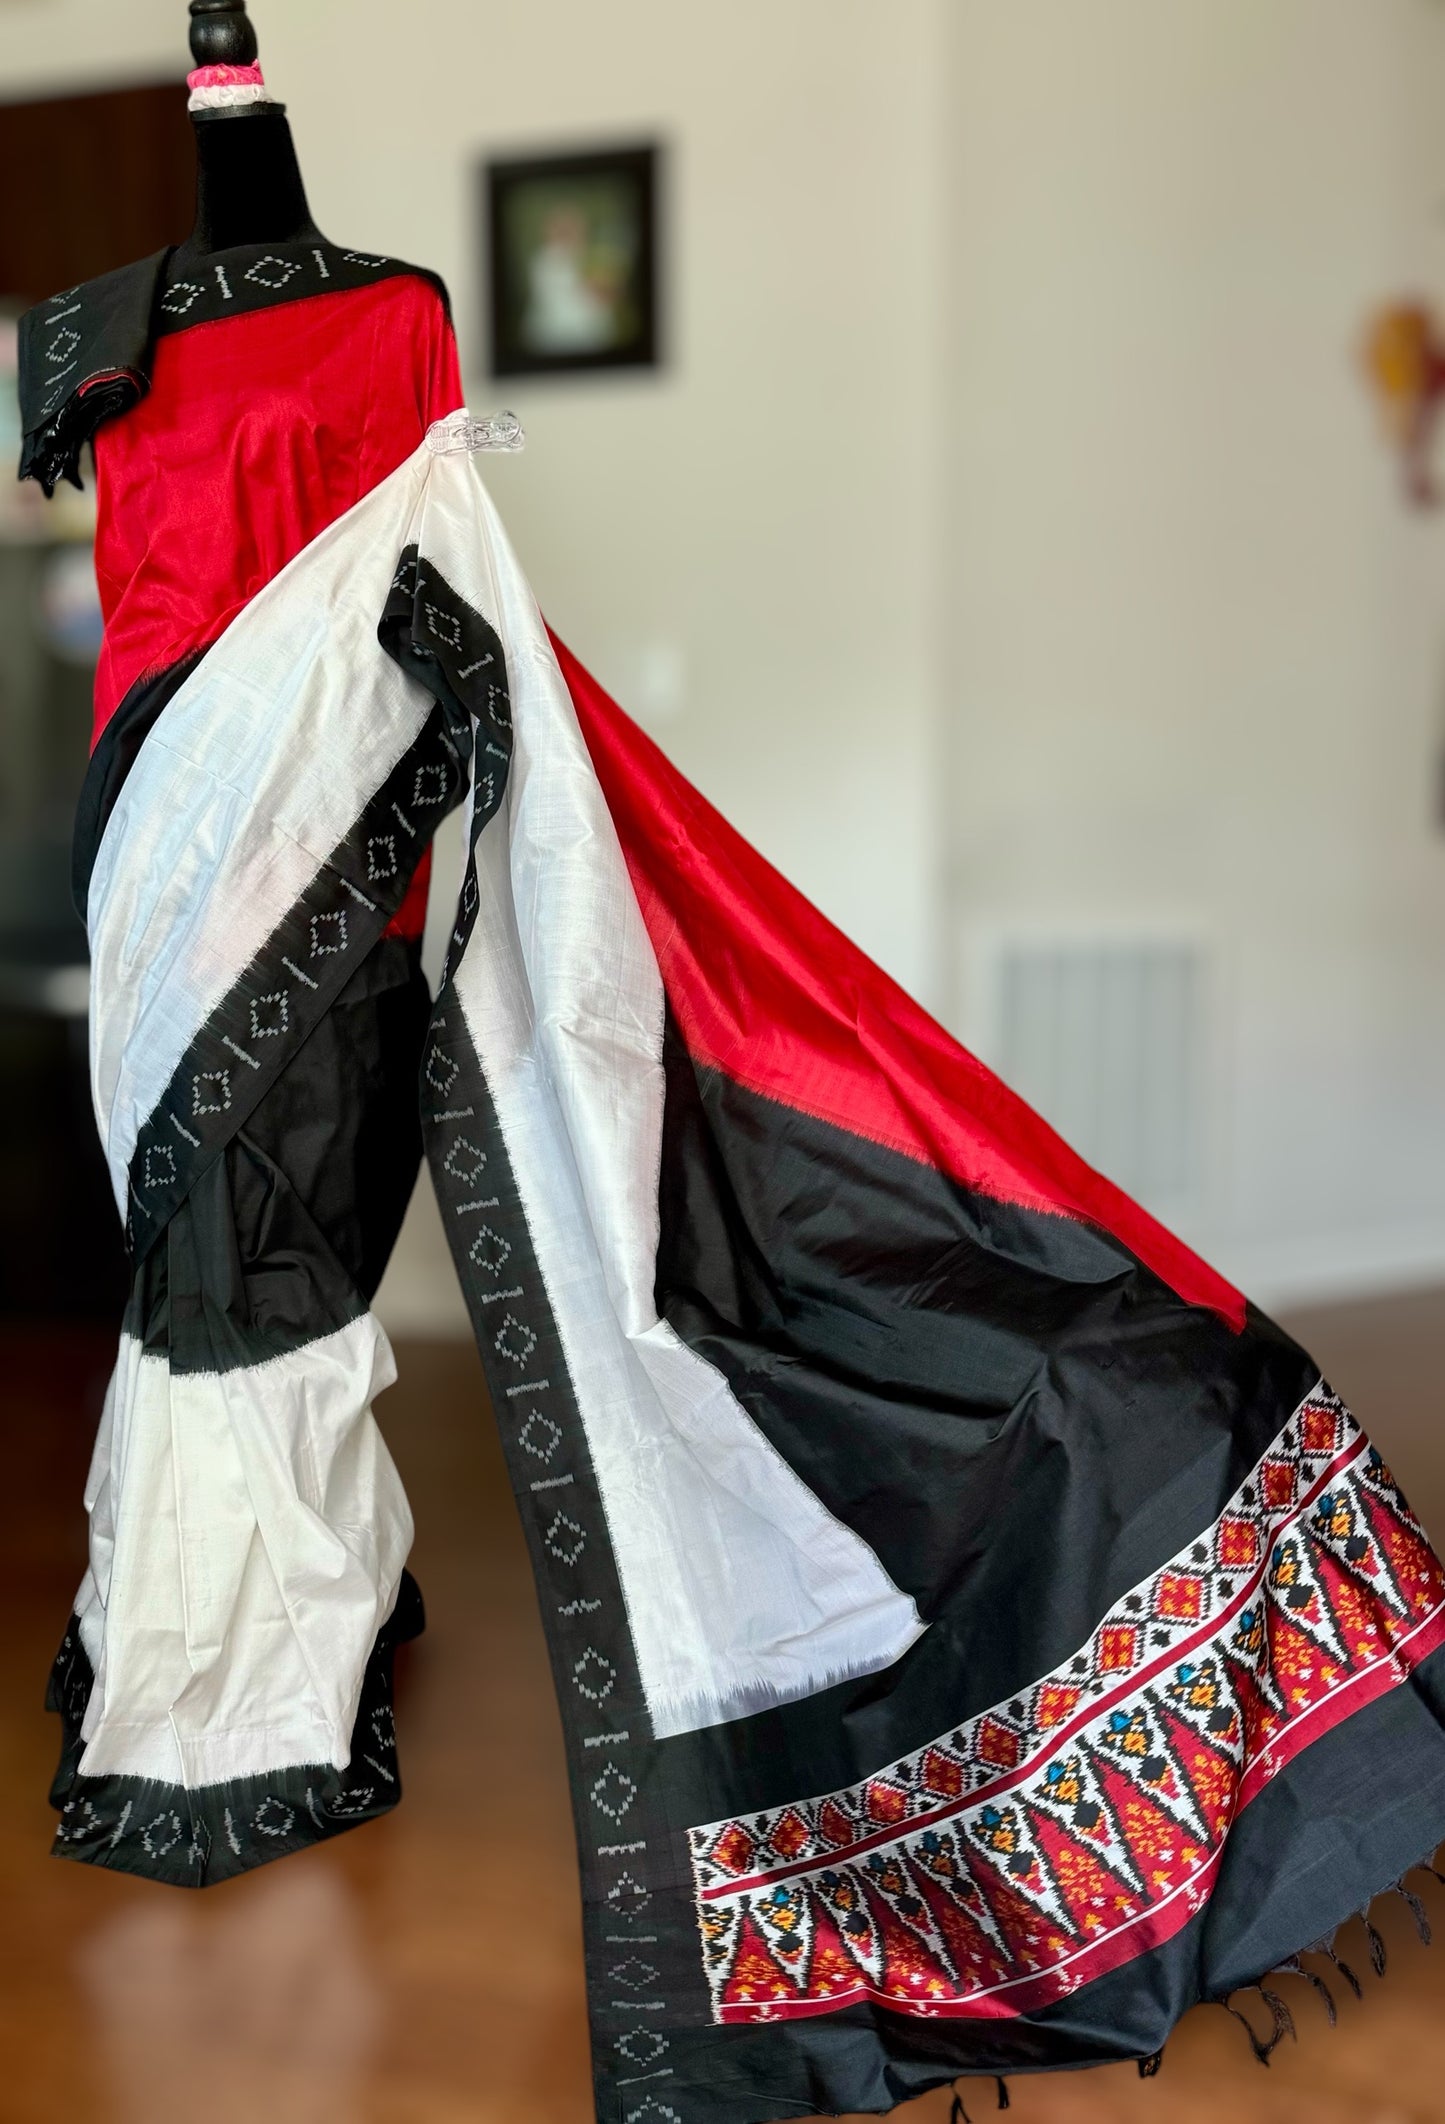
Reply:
x=741, y=1588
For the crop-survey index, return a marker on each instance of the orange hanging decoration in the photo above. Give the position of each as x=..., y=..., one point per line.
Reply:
x=1404, y=358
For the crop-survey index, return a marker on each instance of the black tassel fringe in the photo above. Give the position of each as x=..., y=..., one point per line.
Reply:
x=959, y=2115
x=1281, y=2019
x=1416, y=1909
x=1327, y=1949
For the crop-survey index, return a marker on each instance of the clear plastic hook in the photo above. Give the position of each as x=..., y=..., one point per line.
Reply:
x=462, y=431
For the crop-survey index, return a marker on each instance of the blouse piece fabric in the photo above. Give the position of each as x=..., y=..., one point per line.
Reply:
x=979, y=1632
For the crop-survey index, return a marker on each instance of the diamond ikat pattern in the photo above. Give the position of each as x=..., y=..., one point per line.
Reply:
x=1047, y=1840
x=544, y=1435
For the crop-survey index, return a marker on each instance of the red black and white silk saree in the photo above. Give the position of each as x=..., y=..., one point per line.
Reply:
x=979, y=1633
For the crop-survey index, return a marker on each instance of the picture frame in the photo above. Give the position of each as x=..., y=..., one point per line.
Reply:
x=572, y=279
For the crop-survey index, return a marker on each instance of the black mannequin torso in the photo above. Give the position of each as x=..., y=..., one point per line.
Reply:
x=248, y=184
x=248, y=181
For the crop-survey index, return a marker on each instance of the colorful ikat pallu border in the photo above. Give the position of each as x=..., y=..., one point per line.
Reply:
x=1052, y=1838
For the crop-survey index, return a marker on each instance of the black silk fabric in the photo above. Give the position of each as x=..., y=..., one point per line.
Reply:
x=903, y=1341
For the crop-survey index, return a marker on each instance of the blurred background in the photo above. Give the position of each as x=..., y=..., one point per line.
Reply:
x=1020, y=520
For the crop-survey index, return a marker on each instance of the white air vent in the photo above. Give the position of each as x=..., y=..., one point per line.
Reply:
x=1106, y=1038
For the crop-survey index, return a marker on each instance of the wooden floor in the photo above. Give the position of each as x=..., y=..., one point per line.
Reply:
x=427, y=1969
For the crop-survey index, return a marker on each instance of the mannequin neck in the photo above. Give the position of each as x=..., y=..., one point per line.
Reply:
x=248, y=184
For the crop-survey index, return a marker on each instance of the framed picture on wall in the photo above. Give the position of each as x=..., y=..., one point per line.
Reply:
x=572, y=281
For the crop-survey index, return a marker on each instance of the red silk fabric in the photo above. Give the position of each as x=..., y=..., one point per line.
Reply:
x=258, y=431
x=765, y=989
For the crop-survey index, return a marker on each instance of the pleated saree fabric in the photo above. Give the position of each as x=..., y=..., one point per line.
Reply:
x=979, y=1633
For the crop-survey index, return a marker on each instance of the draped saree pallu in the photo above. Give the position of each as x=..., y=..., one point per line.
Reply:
x=979, y=1633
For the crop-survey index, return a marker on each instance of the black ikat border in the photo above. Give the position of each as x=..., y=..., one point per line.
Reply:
x=634, y=1892
x=192, y=1837
x=261, y=276
x=257, y=1028
x=86, y=353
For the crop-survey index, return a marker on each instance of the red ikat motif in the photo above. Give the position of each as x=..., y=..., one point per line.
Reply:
x=1014, y=1858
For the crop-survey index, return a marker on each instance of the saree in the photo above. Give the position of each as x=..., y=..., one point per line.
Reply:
x=979, y=1632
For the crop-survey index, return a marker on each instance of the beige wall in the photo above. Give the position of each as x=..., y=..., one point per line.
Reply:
x=1195, y=641
x=1011, y=511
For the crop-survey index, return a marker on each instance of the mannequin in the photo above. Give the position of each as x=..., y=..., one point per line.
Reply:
x=221, y=33
x=248, y=181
